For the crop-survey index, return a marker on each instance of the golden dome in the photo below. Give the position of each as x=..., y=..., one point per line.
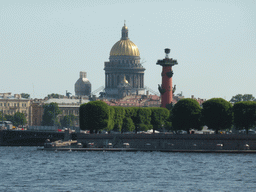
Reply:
x=124, y=47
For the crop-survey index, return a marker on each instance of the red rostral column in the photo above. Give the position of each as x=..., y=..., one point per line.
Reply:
x=166, y=88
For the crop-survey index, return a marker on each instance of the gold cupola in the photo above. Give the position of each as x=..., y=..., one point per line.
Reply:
x=125, y=81
x=124, y=47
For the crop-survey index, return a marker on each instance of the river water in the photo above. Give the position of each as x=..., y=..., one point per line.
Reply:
x=29, y=169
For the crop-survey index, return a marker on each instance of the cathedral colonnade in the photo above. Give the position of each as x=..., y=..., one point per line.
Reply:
x=136, y=80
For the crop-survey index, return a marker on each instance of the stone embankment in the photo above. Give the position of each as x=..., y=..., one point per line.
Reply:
x=169, y=142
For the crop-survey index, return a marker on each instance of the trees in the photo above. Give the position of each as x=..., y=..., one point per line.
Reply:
x=19, y=119
x=68, y=120
x=237, y=98
x=217, y=114
x=8, y=117
x=158, y=117
x=111, y=121
x=94, y=116
x=240, y=97
x=51, y=111
x=82, y=113
x=142, y=118
x=119, y=115
x=16, y=119
x=25, y=95
x=135, y=118
x=186, y=114
x=168, y=122
x=244, y=114
x=2, y=117
x=128, y=125
x=55, y=95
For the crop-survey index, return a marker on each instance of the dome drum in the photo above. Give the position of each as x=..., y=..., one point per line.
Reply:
x=124, y=58
x=117, y=66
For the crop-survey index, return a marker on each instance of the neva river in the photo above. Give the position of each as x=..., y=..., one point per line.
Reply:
x=29, y=169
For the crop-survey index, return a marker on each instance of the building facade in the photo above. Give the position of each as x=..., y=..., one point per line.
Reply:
x=37, y=112
x=124, y=65
x=10, y=104
x=67, y=105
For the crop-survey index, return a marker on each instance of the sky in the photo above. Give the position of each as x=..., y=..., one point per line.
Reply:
x=44, y=44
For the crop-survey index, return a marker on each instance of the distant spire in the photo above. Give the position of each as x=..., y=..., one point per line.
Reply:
x=125, y=31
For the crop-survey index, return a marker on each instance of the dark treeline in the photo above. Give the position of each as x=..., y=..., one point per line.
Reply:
x=17, y=119
x=218, y=114
x=97, y=116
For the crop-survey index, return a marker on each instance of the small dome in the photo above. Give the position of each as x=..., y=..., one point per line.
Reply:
x=125, y=27
x=82, y=85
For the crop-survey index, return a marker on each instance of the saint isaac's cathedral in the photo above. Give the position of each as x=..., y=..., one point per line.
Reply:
x=124, y=74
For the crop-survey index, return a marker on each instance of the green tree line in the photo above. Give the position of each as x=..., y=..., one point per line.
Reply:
x=217, y=114
x=16, y=119
x=97, y=116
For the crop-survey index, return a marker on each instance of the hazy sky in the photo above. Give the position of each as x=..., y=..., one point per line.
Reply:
x=44, y=44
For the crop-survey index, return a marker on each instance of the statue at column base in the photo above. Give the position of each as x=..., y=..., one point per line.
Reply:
x=169, y=74
x=161, y=90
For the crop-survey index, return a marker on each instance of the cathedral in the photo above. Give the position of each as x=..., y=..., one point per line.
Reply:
x=124, y=74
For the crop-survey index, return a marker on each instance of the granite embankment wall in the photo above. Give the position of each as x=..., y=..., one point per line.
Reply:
x=29, y=138
x=170, y=141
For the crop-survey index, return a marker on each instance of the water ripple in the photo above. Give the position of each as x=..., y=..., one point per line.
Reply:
x=28, y=169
